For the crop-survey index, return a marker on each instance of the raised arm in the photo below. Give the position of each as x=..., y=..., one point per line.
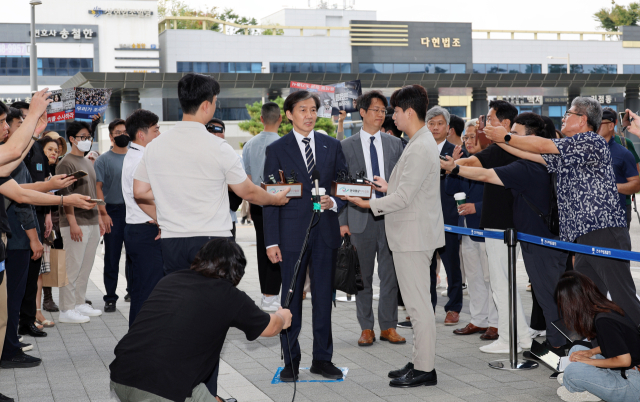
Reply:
x=529, y=143
x=523, y=154
x=473, y=173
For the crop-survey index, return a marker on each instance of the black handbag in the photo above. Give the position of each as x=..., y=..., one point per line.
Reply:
x=348, y=277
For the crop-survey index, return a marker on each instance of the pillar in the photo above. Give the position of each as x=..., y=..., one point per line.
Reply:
x=130, y=101
x=479, y=104
x=573, y=93
x=433, y=95
x=632, y=98
x=113, y=108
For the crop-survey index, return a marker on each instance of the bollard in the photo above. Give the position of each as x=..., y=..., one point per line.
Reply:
x=511, y=239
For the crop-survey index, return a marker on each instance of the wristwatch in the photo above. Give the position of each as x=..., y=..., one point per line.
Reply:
x=456, y=170
x=507, y=138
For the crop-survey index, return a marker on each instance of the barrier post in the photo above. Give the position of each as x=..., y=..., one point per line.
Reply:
x=511, y=239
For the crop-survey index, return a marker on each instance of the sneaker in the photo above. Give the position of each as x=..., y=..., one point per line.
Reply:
x=20, y=338
x=72, y=317
x=376, y=296
x=535, y=333
x=20, y=360
x=110, y=307
x=87, y=310
x=445, y=293
x=499, y=346
x=405, y=324
x=270, y=303
x=127, y=298
x=559, y=378
x=26, y=346
x=465, y=290
x=401, y=308
x=565, y=395
x=525, y=343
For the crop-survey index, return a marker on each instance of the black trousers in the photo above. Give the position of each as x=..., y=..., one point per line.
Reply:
x=450, y=255
x=17, y=266
x=28, y=307
x=178, y=252
x=610, y=275
x=268, y=272
x=537, y=316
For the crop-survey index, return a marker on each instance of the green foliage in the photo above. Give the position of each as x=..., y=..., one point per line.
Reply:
x=230, y=16
x=275, y=31
x=254, y=126
x=618, y=16
x=179, y=8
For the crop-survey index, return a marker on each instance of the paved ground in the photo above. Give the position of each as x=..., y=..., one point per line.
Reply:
x=76, y=357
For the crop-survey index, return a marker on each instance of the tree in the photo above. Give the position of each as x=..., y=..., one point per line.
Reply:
x=179, y=8
x=618, y=16
x=254, y=126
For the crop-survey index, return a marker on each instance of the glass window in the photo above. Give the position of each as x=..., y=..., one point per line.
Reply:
x=86, y=63
x=332, y=67
x=416, y=68
x=224, y=68
x=18, y=71
x=628, y=69
x=47, y=71
x=557, y=111
x=387, y=68
x=428, y=68
x=291, y=68
x=305, y=67
x=442, y=68
x=200, y=67
x=62, y=72
x=345, y=67
x=557, y=68
x=460, y=111
x=3, y=71
x=256, y=67
x=458, y=68
x=183, y=66
x=492, y=68
x=479, y=68
x=49, y=63
x=370, y=68
x=14, y=62
x=213, y=67
x=75, y=63
x=400, y=68
x=513, y=68
x=3, y=62
x=243, y=67
x=276, y=67
x=317, y=67
x=74, y=71
x=536, y=68
x=613, y=69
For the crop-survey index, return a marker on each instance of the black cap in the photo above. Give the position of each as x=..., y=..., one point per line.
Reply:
x=609, y=115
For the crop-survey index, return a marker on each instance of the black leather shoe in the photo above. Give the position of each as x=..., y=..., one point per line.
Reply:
x=31, y=330
x=127, y=298
x=401, y=372
x=110, y=307
x=6, y=398
x=326, y=368
x=88, y=302
x=405, y=324
x=20, y=360
x=288, y=372
x=415, y=378
x=227, y=400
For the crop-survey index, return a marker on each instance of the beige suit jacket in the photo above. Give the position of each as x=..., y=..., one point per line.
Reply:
x=412, y=207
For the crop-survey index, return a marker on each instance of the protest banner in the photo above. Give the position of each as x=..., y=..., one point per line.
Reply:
x=334, y=97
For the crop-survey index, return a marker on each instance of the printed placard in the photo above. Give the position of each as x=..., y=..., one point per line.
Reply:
x=296, y=189
x=352, y=190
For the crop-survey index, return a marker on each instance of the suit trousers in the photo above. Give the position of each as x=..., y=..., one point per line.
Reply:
x=414, y=281
x=178, y=252
x=482, y=307
x=80, y=257
x=497, y=253
x=372, y=242
x=3, y=308
x=28, y=307
x=450, y=255
x=17, y=266
x=113, y=250
x=321, y=261
x=268, y=272
x=146, y=263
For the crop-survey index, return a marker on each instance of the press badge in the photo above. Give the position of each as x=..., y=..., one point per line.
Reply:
x=1, y=266
x=39, y=167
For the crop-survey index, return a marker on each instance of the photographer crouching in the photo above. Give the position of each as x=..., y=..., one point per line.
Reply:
x=170, y=351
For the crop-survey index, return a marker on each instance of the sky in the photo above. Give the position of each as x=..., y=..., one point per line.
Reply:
x=541, y=15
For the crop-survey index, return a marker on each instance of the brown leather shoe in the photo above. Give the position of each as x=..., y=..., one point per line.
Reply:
x=452, y=318
x=468, y=330
x=392, y=336
x=367, y=338
x=490, y=335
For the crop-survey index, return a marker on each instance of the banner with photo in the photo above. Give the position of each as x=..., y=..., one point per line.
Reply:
x=63, y=105
x=333, y=97
x=77, y=103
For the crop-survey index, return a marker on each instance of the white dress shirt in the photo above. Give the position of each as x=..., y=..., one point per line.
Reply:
x=441, y=145
x=365, y=138
x=129, y=166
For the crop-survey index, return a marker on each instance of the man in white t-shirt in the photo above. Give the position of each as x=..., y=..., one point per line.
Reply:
x=184, y=175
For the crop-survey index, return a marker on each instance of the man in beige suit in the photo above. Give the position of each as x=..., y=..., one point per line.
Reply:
x=415, y=228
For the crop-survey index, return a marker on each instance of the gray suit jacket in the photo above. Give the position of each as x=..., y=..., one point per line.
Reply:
x=354, y=216
x=412, y=206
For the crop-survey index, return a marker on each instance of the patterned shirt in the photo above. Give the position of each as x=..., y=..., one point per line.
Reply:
x=587, y=193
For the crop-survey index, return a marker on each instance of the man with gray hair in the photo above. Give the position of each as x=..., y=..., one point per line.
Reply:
x=438, y=123
x=588, y=203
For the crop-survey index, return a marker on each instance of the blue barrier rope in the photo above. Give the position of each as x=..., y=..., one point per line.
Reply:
x=558, y=244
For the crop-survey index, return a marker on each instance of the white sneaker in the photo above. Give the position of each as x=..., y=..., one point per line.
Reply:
x=465, y=289
x=376, y=296
x=72, y=317
x=87, y=310
x=402, y=308
x=585, y=396
x=535, y=333
x=20, y=338
x=26, y=347
x=270, y=303
x=559, y=378
x=525, y=344
x=445, y=293
x=498, y=346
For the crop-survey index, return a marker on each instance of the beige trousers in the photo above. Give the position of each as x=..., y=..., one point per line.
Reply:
x=412, y=270
x=79, y=261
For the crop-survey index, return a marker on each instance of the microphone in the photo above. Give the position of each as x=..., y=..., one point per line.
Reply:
x=315, y=177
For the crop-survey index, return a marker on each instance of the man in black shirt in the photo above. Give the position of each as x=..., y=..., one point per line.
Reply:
x=149, y=365
x=497, y=215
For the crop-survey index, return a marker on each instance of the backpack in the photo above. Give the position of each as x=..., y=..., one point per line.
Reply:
x=348, y=277
x=552, y=219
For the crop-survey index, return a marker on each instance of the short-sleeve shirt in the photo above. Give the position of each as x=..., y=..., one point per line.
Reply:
x=531, y=180
x=617, y=339
x=624, y=166
x=86, y=186
x=189, y=170
x=175, y=342
x=628, y=145
x=588, y=197
x=254, y=154
x=108, y=168
x=497, y=201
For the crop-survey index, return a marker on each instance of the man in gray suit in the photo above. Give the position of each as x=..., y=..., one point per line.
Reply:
x=375, y=154
x=415, y=229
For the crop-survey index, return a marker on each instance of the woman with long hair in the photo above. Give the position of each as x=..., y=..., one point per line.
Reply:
x=610, y=370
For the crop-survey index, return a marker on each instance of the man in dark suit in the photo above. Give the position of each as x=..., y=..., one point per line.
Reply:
x=304, y=151
x=376, y=154
x=438, y=123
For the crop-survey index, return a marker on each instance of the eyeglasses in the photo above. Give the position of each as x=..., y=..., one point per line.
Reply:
x=568, y=113
x=83, y=138
x=117, y=133
x=468, y=138
x=378, y=111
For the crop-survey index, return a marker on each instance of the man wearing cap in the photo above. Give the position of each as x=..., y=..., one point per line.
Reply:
x=622, y=161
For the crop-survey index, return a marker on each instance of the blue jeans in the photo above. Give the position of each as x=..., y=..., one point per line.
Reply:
x=146, y=270
x=608, y=385
x=113, y=249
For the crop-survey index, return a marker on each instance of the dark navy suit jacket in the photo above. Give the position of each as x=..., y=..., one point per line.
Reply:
x=449, y=206
x=474, y=191
x=286, y=226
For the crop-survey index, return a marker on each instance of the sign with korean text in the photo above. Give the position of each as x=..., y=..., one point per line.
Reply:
x=64, y=33
x=520, y=99
x=77, y=103
x=121, y=12
x=63, y=105
x=437, y=42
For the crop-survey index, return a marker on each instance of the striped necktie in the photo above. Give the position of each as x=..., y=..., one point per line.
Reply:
x=311, y=163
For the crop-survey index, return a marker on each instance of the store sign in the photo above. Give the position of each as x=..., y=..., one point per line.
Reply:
x=10, y=100
x=137, y=46
x=75, y=33
x=435, y=42
x=120, y=12
x=14, y=49
x=607, y=99
x=520, y=100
